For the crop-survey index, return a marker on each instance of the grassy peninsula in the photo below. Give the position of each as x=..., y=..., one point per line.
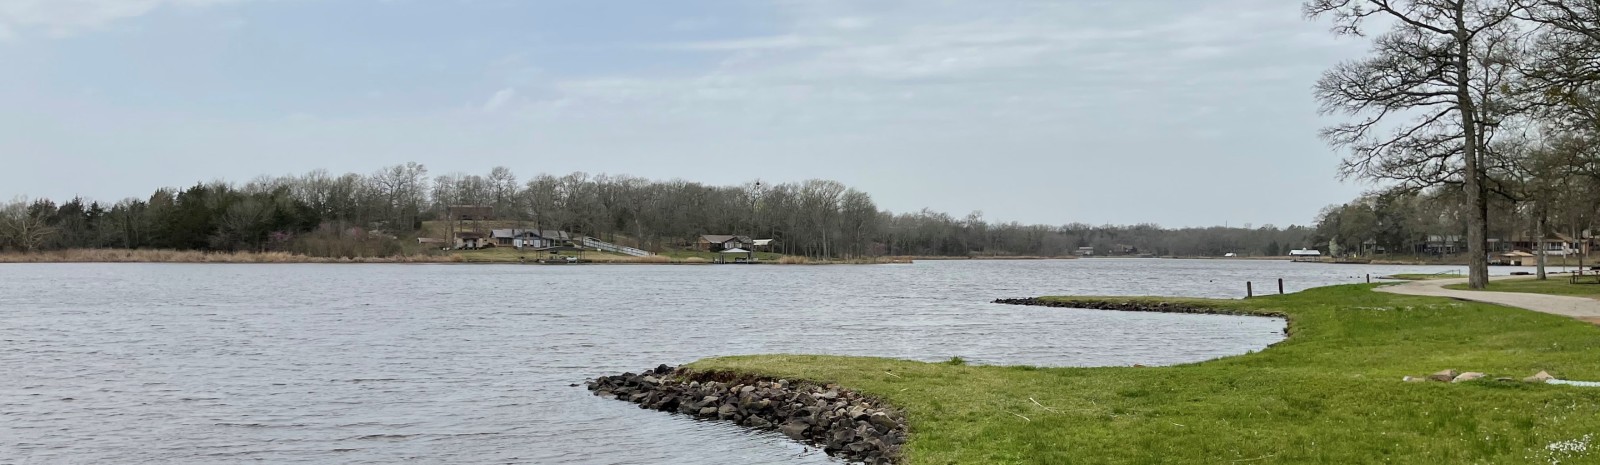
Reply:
x=1331, y=393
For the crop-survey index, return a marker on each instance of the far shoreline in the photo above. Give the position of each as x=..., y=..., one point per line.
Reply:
x=596, y=258
x=269, y=258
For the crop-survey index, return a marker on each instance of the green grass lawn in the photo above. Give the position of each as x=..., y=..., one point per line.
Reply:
x=1330, y=394
x=1556, y=285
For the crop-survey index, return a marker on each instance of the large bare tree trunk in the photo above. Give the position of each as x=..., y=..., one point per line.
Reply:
x=1540, y=226
x=1478, y=203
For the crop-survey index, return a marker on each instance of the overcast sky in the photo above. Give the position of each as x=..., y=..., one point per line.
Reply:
x=1177, y=112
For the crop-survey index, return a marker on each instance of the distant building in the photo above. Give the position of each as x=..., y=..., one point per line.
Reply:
x=718, y=243
x=1443, y=245
x=1085, y=251
x=472, y=240
x=1513, y=258
x=1305, y=255
x=529, y=238
x=1371, y=247
x=1555, y=244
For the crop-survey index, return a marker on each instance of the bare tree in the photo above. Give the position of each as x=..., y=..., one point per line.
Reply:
x=1423, y=99
x=502, y=190
x=22, y=228
x=401, y=191
x=244, y=224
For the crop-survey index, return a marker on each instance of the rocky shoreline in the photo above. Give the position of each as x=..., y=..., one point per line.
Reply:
x=1132, y=306
x=842, y=423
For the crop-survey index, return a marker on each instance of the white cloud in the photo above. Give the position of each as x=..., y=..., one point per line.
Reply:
x=1016, y=61
x=69, y=17
x=850, y=23
x=500, y=99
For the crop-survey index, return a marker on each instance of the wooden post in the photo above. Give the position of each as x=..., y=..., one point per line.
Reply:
x=1280, y=286
x=1249, y=290
x=1369, y=278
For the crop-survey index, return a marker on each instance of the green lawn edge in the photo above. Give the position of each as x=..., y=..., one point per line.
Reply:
x=1329, y=393
x=1556, y=285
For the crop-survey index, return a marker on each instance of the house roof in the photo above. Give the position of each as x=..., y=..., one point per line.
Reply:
x=735, y=250
x=545, y=233
x=763, y=242
x=1552, y=237
x=720, y=238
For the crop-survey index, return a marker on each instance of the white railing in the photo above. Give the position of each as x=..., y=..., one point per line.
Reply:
x=593, y=243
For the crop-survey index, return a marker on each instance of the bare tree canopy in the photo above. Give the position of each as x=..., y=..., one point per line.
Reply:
x=24, y=225
x=1427, y=100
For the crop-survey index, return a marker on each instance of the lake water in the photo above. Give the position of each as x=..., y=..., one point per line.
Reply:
x=132, y=363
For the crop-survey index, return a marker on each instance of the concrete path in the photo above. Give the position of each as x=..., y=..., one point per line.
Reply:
x=1582, y=308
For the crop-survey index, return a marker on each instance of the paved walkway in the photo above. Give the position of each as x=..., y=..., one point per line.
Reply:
x=1577, y=307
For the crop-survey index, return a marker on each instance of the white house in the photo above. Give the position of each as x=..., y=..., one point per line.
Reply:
x=1305, y=255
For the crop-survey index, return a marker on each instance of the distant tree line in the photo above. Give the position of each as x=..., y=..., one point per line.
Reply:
x=376, y=215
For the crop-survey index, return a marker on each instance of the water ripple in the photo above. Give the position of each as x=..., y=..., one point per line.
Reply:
x=135, y=363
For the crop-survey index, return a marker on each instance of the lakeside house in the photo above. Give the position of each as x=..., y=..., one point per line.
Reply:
x=738, y=255
x=1305, y=255
x=471, y=240
x=1513, y=258
x=1554, y=244
x=764, y=245
x=1085, y=252
x=1443, y=245
x=529, y=238
x=718, y=243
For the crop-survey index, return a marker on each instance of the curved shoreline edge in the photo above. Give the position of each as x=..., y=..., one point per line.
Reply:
x=1145, y=305
x=1340, y=374
x=1149, y=305
x=841, y=422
